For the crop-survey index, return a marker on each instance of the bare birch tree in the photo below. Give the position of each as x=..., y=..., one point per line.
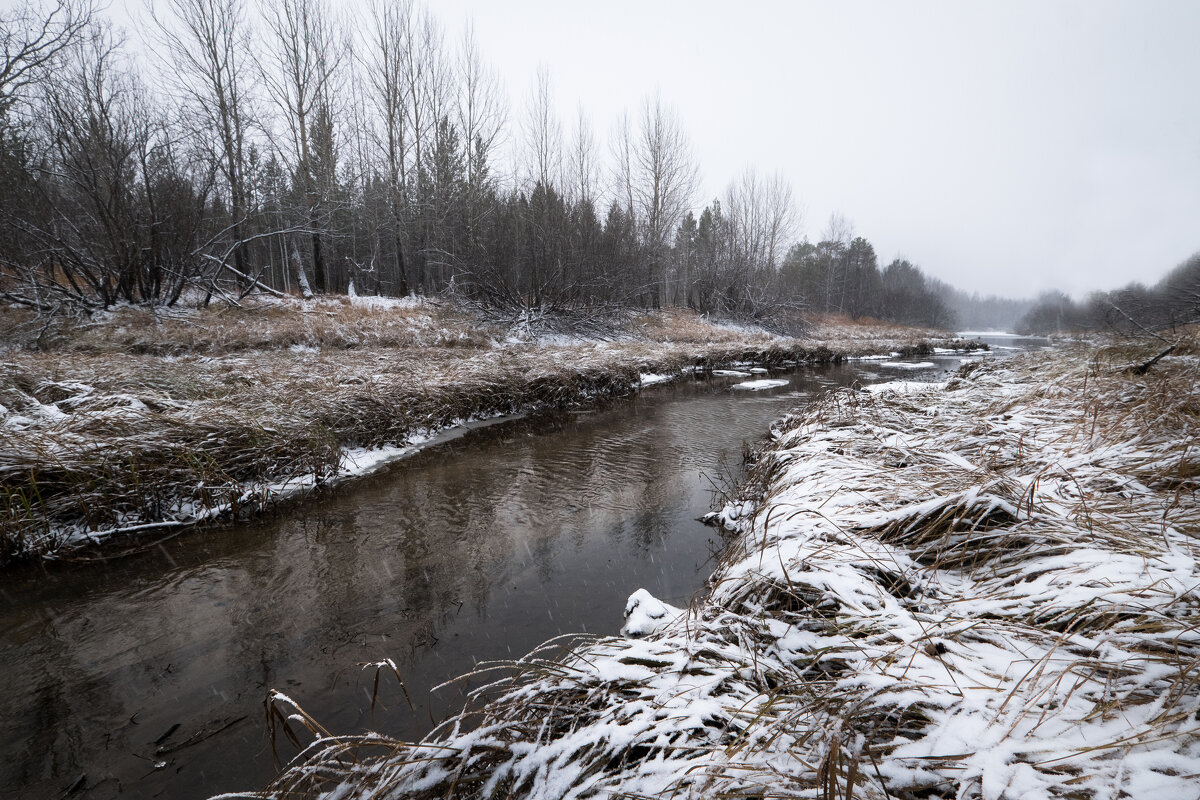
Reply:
x=621, y=147
x=426, y=84
x=835, y=241
x=541, y=134
x=761, y=216
x=664, y=179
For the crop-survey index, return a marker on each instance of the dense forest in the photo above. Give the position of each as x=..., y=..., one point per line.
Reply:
x=276, y=146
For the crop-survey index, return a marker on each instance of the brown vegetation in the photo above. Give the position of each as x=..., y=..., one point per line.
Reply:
x=139, y=418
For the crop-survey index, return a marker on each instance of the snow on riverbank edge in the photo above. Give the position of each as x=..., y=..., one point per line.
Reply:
x=981, y=589
x=352, y=463
x=115, y=446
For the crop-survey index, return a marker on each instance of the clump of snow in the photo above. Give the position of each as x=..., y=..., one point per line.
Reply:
x=646, y=614
x=907, y=364
x=730, y=373
x=651, y=378
x=762, y=383
x=365, y=460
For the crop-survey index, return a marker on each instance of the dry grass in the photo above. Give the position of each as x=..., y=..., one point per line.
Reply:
x=981, y=591
x=261, y=324
x=136, y=421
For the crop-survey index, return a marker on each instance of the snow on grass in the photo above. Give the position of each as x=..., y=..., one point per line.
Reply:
x=982, y=589
x=651, y=378
x=365, y=460
x=903, y=386
x=387, y=303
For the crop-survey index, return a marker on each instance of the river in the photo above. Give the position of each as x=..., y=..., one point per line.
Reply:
x=144, y=676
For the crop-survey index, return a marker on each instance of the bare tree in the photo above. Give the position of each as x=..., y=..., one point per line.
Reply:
x=782, y=217
x=426, y=84
x=112, y=214
x=663, y=178
x=32, y=38
x=762, y=218
x=542, y=134
x=481, y=114
x=835, y=243
x=204, y=46
x=385, y=68
x=358, y=180
x=582, y=167
x=621, y=146
x=301, y=76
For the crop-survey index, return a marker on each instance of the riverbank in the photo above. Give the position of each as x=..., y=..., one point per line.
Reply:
x=139, y=423
x=984, y=588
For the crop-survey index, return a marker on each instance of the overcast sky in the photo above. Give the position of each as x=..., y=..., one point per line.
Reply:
x=1006, y=147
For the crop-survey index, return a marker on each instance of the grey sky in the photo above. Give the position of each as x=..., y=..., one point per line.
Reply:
x=1006, y=147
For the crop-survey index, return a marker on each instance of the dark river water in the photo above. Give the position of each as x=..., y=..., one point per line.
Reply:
x=145, y=676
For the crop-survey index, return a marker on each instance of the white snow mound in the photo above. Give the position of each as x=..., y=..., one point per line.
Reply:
x=646, y=614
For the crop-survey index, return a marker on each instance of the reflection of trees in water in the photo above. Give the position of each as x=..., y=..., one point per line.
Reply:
x=47, y=733
x=62, y=709
x=394, y=568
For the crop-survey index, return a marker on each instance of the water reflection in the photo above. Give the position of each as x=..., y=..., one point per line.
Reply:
x=146, y=675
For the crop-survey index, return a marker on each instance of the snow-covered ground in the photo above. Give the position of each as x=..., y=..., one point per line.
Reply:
x=979, y=589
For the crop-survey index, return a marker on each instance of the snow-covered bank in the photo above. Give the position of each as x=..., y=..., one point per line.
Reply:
x=983, y=589
x=140, y=421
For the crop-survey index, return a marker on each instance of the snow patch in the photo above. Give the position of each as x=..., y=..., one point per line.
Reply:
x=764, y=383
x=903, y=387
x=646, y=614
x=386, y=303
x=907, y=364
x=651, y=378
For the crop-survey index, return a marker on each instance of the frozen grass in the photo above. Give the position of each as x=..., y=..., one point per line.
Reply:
x=985, y=589
x=136, y=421
x=261, y=324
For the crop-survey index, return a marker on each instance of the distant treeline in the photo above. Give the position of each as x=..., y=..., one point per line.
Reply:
x=1173, y=302
x=276, y=146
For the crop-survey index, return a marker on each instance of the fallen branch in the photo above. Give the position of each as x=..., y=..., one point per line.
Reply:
x=1144, y=367
x=254, y=282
